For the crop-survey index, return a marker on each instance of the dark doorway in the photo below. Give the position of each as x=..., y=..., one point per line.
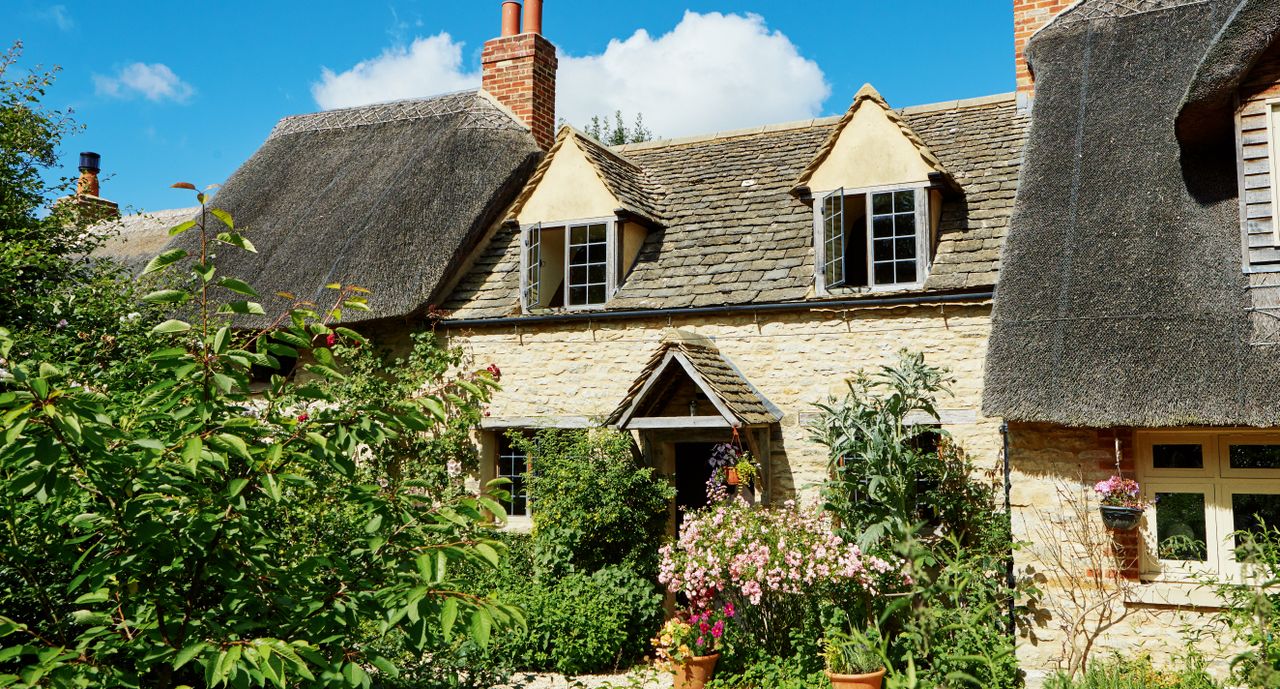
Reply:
x=692, y=472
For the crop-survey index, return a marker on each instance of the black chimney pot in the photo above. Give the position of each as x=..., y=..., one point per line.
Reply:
x=90, y=162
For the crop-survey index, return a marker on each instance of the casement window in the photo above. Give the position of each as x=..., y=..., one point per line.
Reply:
x=877, y=239
x=1207, y=488
x=512, y=463
x=573, y=266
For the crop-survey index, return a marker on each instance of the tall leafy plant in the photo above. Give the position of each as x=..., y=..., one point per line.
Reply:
x=201, y=536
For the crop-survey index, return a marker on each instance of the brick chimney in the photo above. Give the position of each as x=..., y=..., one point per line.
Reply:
x=90, y=207
x=1029, y=16
x=520, y=70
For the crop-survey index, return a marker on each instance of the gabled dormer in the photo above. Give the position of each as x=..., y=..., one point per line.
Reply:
x=877, y=198
x=583, y=217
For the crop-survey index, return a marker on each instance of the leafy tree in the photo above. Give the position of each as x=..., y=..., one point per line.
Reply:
x=52, y=297
x=201, y=536
x=617, y=132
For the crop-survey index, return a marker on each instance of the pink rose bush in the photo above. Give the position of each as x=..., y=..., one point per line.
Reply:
x=732, y=551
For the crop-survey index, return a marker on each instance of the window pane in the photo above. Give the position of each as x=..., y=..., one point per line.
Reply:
x=881, y=203
x=577, y=296
x=882, y=250
x=577, y=275
x=578, y=235
x=1180, y=527
x=596, y=273
x=595, y=294
x=1255, y=512
x=906, y=271
x=512, y=465
x=882, y=226
x=904, y=248
x=904, y=201
x=1177, y=456
x=1255, y=456
x=596, y=253
x=597, y=233
x=884, y=273
x=905, y=225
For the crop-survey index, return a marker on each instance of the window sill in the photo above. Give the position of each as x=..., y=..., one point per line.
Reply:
x=1174, y=593
x=878, y=289
x=518, y=524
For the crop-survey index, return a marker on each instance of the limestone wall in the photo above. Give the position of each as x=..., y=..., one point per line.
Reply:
x=794, y=359
x=1052, y=468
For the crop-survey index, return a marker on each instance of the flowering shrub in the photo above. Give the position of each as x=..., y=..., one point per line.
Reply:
x=1118, y=491
x=734, y=550
x=694, y=633
x=777, y=565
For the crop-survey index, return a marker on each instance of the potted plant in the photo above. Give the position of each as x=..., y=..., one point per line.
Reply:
x=1121, y=507
x=743, y=472
x=851, y=661
x=690, y=643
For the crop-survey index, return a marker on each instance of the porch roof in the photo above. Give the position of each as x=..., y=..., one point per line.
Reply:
x=736, y=400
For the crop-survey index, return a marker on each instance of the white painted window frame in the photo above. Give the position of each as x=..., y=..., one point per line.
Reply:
x=924, y=237
x=498, y=469
x=1273, y=157
x=532, y=233
x=1217, y=481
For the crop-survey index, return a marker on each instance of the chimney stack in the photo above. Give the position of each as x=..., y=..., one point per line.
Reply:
x=90, y=166
x=88, y=206
x=520, y=70
x=1029, y=16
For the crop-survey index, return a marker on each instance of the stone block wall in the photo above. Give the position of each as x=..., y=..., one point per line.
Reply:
x=1052, y=467
x=583, y=369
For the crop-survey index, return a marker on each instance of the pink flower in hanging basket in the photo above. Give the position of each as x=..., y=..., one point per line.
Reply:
x=1118, y=491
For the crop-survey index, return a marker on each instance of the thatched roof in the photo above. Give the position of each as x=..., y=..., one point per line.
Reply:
x=684, y=354
x=390, y=197
x=133, y=240
x=1122, y=299
x=733, y=232
x=1206, y=115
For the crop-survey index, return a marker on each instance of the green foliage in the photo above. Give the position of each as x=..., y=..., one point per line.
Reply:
x=582, y=623
x=849, y=654
x=595, y=505
x=774, y=673
x=1137, y=673
x=1251, y=612
x=195, y=535
x=910, y=491
x=617, y=133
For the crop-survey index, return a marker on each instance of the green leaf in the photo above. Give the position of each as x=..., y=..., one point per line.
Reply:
x=164, y=260
x=481, y=627
x=182, y=227
x=221, y=339
x=247, y=308
x=99, y=596
x=448, y=615
x=238, y=286
x=224, y=216
x=489, y=554
x=237, y=240
x=185, y=655
x=434, y=406
x=234, y=443
x=204, y=270
x=236, y=485
x=166, y=296
x=172, y=326
x=374, y=524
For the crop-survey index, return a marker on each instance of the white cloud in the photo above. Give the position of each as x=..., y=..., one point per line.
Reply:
x=60, y=17
x=427, y=67
x=711, y=72
x=154, y=82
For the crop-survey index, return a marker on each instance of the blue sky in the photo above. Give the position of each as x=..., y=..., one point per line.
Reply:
x=170, y=91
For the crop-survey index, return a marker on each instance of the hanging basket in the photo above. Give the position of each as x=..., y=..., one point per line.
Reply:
x=1121, y=518
x=731, y=476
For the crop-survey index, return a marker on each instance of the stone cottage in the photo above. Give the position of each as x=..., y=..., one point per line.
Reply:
x=1135, y=329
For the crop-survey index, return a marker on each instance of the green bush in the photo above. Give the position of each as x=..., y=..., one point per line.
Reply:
x=1251, y=612
x=1137, y=673
x=774, y=673
x=583, y=623
x=596, y=505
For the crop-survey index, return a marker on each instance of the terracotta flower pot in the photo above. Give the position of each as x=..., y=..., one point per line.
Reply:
x=869, y=681
x=731, y=476
x=696, y=671
x=1120, y=518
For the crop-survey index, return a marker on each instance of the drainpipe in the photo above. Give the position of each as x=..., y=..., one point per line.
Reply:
x=1010, y=581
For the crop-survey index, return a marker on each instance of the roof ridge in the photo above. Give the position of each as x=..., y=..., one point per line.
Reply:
x=481, y=112
x=976, y=101
x=603, y=147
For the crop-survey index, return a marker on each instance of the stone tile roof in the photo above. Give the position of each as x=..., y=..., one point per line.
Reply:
x=713, y=373
x=734, y=233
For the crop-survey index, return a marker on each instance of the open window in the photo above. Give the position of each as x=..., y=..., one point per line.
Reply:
x=878, y=239
x=573, y=266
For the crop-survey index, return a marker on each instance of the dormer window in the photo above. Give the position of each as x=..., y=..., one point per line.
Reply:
x=872, y=239
x=572, y=266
